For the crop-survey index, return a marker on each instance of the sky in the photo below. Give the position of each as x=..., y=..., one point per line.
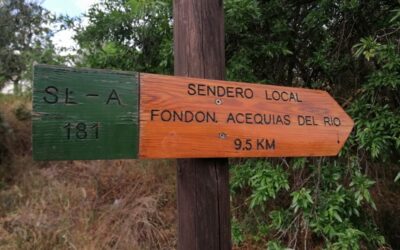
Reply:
x=73, y=8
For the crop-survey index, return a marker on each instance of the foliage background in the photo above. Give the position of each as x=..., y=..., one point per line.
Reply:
x=349, y=48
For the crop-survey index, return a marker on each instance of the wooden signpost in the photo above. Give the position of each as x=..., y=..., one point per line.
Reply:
x=82, y=114
x=203, y=199
x=86, y=114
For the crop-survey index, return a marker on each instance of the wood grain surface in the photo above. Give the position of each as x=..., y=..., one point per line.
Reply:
x=183, y=117
x=84, y=114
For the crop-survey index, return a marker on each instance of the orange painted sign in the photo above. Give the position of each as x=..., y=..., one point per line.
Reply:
x=193, y=118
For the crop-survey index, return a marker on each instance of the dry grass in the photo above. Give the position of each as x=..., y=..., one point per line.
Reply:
x=82, y=204
x=85, y=205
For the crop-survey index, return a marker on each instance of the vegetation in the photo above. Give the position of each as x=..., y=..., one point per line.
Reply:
x=349, y=48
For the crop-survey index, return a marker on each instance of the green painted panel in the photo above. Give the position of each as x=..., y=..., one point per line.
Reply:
x=84, y=114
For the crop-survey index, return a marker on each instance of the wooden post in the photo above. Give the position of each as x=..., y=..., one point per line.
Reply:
x=203, y=184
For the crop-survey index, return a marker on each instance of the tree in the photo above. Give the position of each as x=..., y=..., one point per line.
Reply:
x=128, y=35
x=25, y=29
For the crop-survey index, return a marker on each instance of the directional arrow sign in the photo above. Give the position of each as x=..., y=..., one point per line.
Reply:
x=187, y=117
x=92, y=114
